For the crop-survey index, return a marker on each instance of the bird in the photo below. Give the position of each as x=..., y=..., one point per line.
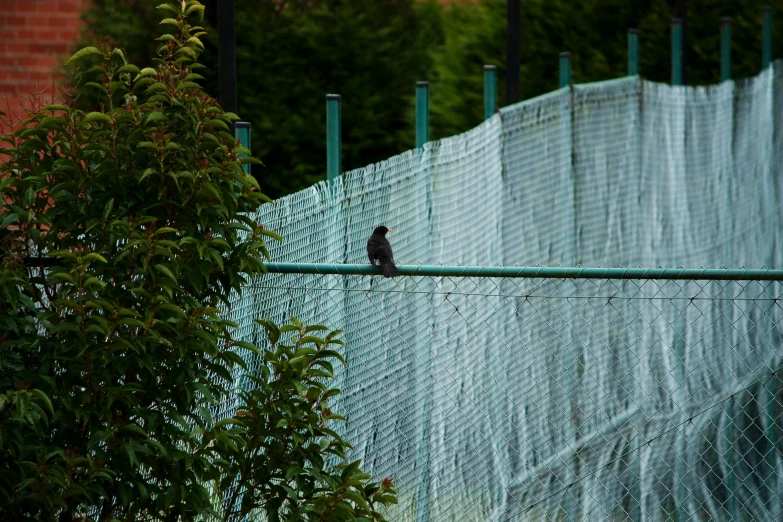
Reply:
x=379, y=249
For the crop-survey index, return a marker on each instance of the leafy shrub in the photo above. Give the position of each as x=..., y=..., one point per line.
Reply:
x=126, y=229
x=290, y=54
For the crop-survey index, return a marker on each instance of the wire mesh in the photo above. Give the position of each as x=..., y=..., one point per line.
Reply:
x=557, y=399
x=560, y=399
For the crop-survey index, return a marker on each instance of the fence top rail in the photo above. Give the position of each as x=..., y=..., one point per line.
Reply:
x=713, y=274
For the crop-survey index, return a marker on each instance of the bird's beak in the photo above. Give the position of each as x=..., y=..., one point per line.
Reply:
x=389, y=230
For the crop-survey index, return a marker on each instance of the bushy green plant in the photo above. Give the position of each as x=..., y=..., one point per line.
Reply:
x=290, y=54
x=126, y=229
x=283, y=459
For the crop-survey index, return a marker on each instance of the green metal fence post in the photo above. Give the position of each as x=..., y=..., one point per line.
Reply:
x=422, y=113
x=242, y=133
x=332, y=136
x=565, y=69
x=422, y=443
x=513, y=49
x=676, y=51
x=725, y=49
x=766, y=39
x=633, y=52
x=571, y=347
x=490, y=91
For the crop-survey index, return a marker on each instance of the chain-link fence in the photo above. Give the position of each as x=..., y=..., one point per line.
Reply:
x=556, y=397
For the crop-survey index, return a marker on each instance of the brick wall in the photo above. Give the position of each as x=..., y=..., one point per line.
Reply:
x=36, y=36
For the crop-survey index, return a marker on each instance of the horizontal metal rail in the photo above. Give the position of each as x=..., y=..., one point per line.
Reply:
x=709, y=274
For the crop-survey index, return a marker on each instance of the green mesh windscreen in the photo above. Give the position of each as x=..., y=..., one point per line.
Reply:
x=556, y=399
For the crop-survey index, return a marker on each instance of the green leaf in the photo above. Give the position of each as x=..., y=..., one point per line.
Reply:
x=170, y=8
x=125, y=491
x=118, y=52
x=57, y=276
x=131, y=453
x=271, y=234
x=96, y=116
x=311, y=339
x=350, y=468
x=163, y=230
x=94, y=281
x=173, y=309
x=127, y=68
x=4, y=182
x=165, y=271
x=155, y=87
x=188, y=85
x=250, y=160
x=218, y=123
x=330, y=353
x=93, y=256
x=131, y=322
x=195, y=7
x=108, y=208
x=155, y=116
x=10, y=218
x=44, y=398
x=273, y=333
x=315, y=327
x=169, y=21
x=233, y=359
x=356, y=497
x=252, y=181
x=81, y=53
x=97, y=86
x=195, y=42
x=56, y=107
x=133, y=428
x=186, y=50
x=52, y=122
x=248, y=346
x=164, y=98
x=96, y=69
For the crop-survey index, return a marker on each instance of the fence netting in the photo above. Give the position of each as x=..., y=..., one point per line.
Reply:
x=560, y=399
x=494, y=399
x=618, y=173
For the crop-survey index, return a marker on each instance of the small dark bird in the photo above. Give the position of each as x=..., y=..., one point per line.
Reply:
x=379, y=249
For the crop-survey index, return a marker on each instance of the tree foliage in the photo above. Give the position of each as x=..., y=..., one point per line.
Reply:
x=126, y=228
x=595, y=33
x=290, y=54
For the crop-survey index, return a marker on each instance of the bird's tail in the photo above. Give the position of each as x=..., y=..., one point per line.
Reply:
x=389, y=270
